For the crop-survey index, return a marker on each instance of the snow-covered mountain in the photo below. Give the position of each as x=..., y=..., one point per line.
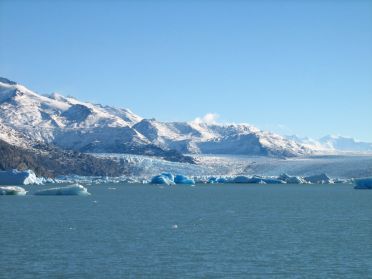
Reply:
x=193, y=137
x=345, y=144
x=334, y=144
x=28, y=118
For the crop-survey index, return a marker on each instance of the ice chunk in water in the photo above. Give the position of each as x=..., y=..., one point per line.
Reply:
x=161, y=179
x=318, y=179
x=182, y=179
x=363, y=183
x=72, y=190
x=12, y=190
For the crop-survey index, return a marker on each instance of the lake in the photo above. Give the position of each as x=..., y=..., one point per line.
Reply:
x=209, y=231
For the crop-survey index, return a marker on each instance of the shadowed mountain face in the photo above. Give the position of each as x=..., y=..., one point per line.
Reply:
x=50, y=162
x=68, y=123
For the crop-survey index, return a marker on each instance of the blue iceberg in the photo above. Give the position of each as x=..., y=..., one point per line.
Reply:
x=212, y=180
x=273, y=181
x=250, y=180
x=169, y=175
x=182, y=179
x=222, y=180
x=363, y=183
x=242, y=179
x=169, y=179
x=161, y=179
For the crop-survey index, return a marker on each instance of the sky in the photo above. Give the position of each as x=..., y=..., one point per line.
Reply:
x=292, y=67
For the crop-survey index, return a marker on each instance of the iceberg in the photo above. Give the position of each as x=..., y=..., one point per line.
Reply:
x=242, y=179
x=222, y=180
x=273, y=181
x=15, y=177
x=291, y=179
x=72, y=190
x=212, y=180
x=169, y=179
x=363, y=183
x=161, y=179
x=168, y=175
x=182, y=179
x=246, y=179
x=318, y=179
x=12, y=190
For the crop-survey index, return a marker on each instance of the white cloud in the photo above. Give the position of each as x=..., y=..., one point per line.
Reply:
x=209, y=118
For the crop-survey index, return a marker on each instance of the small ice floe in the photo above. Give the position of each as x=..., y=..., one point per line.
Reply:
x=12, y=191
x=175, y=226
x=363, y=183
x=72, y=190
x=111, y=188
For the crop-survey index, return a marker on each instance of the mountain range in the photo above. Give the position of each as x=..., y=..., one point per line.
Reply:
x=27, y=118
x=29, y=121
x=331, y=144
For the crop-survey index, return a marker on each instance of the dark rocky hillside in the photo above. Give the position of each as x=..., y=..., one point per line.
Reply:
x=49, y=161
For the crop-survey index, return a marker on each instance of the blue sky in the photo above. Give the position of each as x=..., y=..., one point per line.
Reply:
x=293, y=67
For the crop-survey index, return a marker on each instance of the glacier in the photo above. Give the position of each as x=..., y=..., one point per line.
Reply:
x=16, y=177
x=71, y=190
x=12, y=191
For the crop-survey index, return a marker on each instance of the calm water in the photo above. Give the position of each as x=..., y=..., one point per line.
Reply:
x=254, y=231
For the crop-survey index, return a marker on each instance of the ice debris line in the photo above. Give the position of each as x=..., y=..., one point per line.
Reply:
x=363, y=183
x=15, y=177
x=281, y=179
x=169, y=179
x=12, y=191
x=72, y=190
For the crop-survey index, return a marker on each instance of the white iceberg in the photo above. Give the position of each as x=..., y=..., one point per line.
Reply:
x=363, y=183
x=318, y=179
x=15, y=177
x=12, y=191
x=72, y=190
x=291, y=179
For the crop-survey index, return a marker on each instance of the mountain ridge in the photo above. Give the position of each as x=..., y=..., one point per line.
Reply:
x=68, y=123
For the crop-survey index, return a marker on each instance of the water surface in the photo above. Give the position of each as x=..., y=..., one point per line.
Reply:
x=210, y=231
